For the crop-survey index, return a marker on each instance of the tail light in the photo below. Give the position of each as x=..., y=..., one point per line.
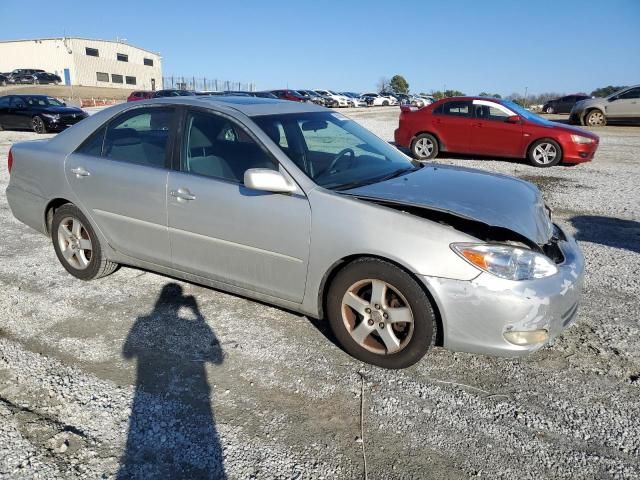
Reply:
x=10, y=161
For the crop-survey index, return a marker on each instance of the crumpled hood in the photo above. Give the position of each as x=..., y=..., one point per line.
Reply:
x=493, y=199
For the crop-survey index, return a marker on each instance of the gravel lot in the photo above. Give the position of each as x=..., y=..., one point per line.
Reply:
x=140, y=376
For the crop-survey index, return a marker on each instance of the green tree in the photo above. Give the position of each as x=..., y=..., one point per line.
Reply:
x=605, y=91
x=399, y=84
x=485, y=94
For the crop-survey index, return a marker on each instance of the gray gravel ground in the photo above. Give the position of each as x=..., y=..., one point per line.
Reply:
x=140, y=376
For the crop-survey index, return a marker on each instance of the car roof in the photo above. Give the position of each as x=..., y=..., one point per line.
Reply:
x=250, y=106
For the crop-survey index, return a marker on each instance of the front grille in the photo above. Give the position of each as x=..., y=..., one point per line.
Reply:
x=70, y=119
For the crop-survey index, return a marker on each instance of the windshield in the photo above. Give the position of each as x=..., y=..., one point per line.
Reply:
x=37, y=101
x=523, y=112
x=332, y=150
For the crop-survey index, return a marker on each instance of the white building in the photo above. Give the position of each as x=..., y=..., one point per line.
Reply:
x=81, y=61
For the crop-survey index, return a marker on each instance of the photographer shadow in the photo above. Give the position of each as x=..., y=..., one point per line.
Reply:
x=172, y=428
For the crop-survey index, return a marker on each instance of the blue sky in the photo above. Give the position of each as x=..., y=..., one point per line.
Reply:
x=498, y=46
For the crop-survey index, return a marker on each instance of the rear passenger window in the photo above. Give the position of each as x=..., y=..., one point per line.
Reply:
x=93, y=144
x=218, y=148
x=459, y=109
x=140, y=136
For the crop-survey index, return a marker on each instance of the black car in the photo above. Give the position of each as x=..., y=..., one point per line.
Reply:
x=36, y=78
x=40, y=113
x=173, y=93
x=22, y=72
x=563, y=104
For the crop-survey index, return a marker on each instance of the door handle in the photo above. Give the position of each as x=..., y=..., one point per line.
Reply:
x=80, y=172
x=182, y=194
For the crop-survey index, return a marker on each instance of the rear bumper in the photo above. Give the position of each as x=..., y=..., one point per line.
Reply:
x=402, y=138
x=476, y=314
x=27, y=207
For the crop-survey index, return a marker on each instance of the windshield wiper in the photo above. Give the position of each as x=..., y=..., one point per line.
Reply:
x=388, y=176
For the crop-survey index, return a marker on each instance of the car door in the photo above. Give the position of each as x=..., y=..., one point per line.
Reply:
x=492, y=133
x=453, y=121
x=5, y=104
x=19, y=113
x=119, y=176
x=221, y=230
x=565, y=104
x=626, y=105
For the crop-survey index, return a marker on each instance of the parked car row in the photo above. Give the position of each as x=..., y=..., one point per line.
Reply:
x=325, y=98
x=31, y=76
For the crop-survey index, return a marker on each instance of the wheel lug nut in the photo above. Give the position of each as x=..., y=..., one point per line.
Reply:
x=367, y=310
x=370, y=322
x=385, y=315
x=381, y=324
x=377, y=306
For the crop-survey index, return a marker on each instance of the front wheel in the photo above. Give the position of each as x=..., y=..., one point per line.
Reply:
x=424, y=147
x=549, y=110
x=595, y=118
x=38, y=125
x=380, y=315
x=545, y=153
x=77, y=246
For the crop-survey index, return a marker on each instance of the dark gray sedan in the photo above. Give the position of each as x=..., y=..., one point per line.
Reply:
x=296, y=205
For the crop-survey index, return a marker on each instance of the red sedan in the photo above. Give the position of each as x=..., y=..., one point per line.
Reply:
x=139, y=95
x=491, y=126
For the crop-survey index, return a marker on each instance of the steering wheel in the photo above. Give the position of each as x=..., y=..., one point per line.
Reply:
x=339, y=157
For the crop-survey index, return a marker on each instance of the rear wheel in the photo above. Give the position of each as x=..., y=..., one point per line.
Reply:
x=549, y=110
x=595, y=118
x=77, y=245
x=380, y=315
x=424, y=147
x=545, y=153
x=385, y=103
x=38, y=125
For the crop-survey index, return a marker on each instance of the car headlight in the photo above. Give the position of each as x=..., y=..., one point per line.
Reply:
x=52, y=116
x=581, y=139
x=505, y=261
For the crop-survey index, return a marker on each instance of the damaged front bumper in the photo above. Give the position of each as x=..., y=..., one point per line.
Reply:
x=477, y=314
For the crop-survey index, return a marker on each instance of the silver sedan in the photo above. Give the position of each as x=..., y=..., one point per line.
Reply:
x=296, y=205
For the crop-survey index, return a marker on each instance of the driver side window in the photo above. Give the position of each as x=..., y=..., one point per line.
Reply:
x=219, y=148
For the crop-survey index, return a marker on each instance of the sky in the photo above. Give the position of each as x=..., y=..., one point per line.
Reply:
x=497, y=46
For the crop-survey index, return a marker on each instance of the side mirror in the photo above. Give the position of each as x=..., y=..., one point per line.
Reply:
x=513, y=119
x=267, y=180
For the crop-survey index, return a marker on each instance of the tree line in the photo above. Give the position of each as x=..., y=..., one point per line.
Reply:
x=399, y=85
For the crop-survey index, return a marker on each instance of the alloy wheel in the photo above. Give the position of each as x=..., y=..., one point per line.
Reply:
x=545, y=153
x=377, y=316
x=424, y=147
x=75, y=243
x=595, y=119
x=38, y=125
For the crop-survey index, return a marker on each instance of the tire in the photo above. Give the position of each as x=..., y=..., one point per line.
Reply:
x=38, y=125
x=4, y=83
x=404, y=298
x=70, y=232
x=424, y=147
x=595, y=118
x=549, y=110
x=545, y=153
x=385, y=103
